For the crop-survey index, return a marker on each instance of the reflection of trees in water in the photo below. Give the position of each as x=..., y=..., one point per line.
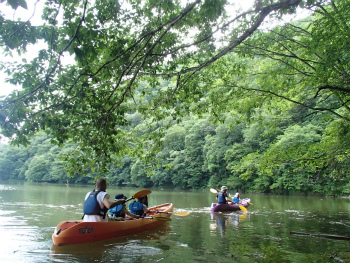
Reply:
x=272, y=253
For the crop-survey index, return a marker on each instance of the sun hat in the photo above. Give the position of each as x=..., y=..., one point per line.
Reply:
x=223, y=188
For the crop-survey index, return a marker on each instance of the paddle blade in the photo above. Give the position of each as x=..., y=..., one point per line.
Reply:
x=243, y=208
x=181, y=213
x=213, y=191
x=142, y=193
x=184, y=213
x=243, y=217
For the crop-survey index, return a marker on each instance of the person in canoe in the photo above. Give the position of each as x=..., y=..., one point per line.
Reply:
x=140, y=207
x=235, y=199
x=119, y=212
x=222, y=196
x=97, y=203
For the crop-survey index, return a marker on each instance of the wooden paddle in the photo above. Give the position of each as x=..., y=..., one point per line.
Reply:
x=184, y=213
x=140, y=194
x=240, y=206
x=213, y=191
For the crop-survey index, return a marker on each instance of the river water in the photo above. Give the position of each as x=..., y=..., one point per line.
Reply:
x=30, y=212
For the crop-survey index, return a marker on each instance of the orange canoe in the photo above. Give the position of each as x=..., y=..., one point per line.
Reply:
x=73, y=232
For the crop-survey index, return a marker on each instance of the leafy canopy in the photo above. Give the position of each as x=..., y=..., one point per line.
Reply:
x=116, y=46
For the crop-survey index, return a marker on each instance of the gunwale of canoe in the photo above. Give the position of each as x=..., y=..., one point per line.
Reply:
x=74, y=232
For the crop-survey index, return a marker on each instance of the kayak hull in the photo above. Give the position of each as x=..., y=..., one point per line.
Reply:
x=229, y=207
x=74, y=232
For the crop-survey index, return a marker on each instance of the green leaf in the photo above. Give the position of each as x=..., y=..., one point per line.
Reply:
x=16, y=3
x=23, y=4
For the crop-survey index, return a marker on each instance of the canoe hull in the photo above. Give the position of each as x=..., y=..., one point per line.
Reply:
x=227, y=207
x=73, y=232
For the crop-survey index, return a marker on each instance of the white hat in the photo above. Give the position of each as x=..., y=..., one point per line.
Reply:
x=223, y=188
x=236, y=195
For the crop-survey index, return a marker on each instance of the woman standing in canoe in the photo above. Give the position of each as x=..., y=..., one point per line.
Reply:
x=97, y=203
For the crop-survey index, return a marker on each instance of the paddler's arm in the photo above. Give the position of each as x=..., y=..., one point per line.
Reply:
x=145, y=209
x=131, y=214
x=108, y=204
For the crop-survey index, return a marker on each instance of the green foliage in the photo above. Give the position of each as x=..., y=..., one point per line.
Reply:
x=160, y=50
x=139, y=176
x=181, y=95
x=196, y=154
x=17, y=3
x=272, y=254
x=38, y=169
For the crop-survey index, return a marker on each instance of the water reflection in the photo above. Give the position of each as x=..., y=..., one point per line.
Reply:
x=220, y=221
x=30, y=212
x=19, y=239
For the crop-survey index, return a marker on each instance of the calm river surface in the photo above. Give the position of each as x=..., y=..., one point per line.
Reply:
x=30, y=212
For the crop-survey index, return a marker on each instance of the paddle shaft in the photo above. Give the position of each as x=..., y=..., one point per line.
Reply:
x=139, y=194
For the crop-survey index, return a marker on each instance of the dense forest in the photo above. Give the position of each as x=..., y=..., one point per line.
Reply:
x=198, y=154
x=185, y=95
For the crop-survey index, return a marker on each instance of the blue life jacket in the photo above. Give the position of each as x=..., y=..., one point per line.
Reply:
x=222, y=197
x=235, y=200
x=136, y=208
x=92, y=207
x=117, y=211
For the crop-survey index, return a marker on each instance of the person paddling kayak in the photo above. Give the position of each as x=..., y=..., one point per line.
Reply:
x=140, y=207
x=222, y=196
x=97, y=203
x=120, y=211
x=235, y=199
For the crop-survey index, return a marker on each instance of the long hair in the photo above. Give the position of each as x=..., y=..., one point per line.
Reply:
x=143, y=200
